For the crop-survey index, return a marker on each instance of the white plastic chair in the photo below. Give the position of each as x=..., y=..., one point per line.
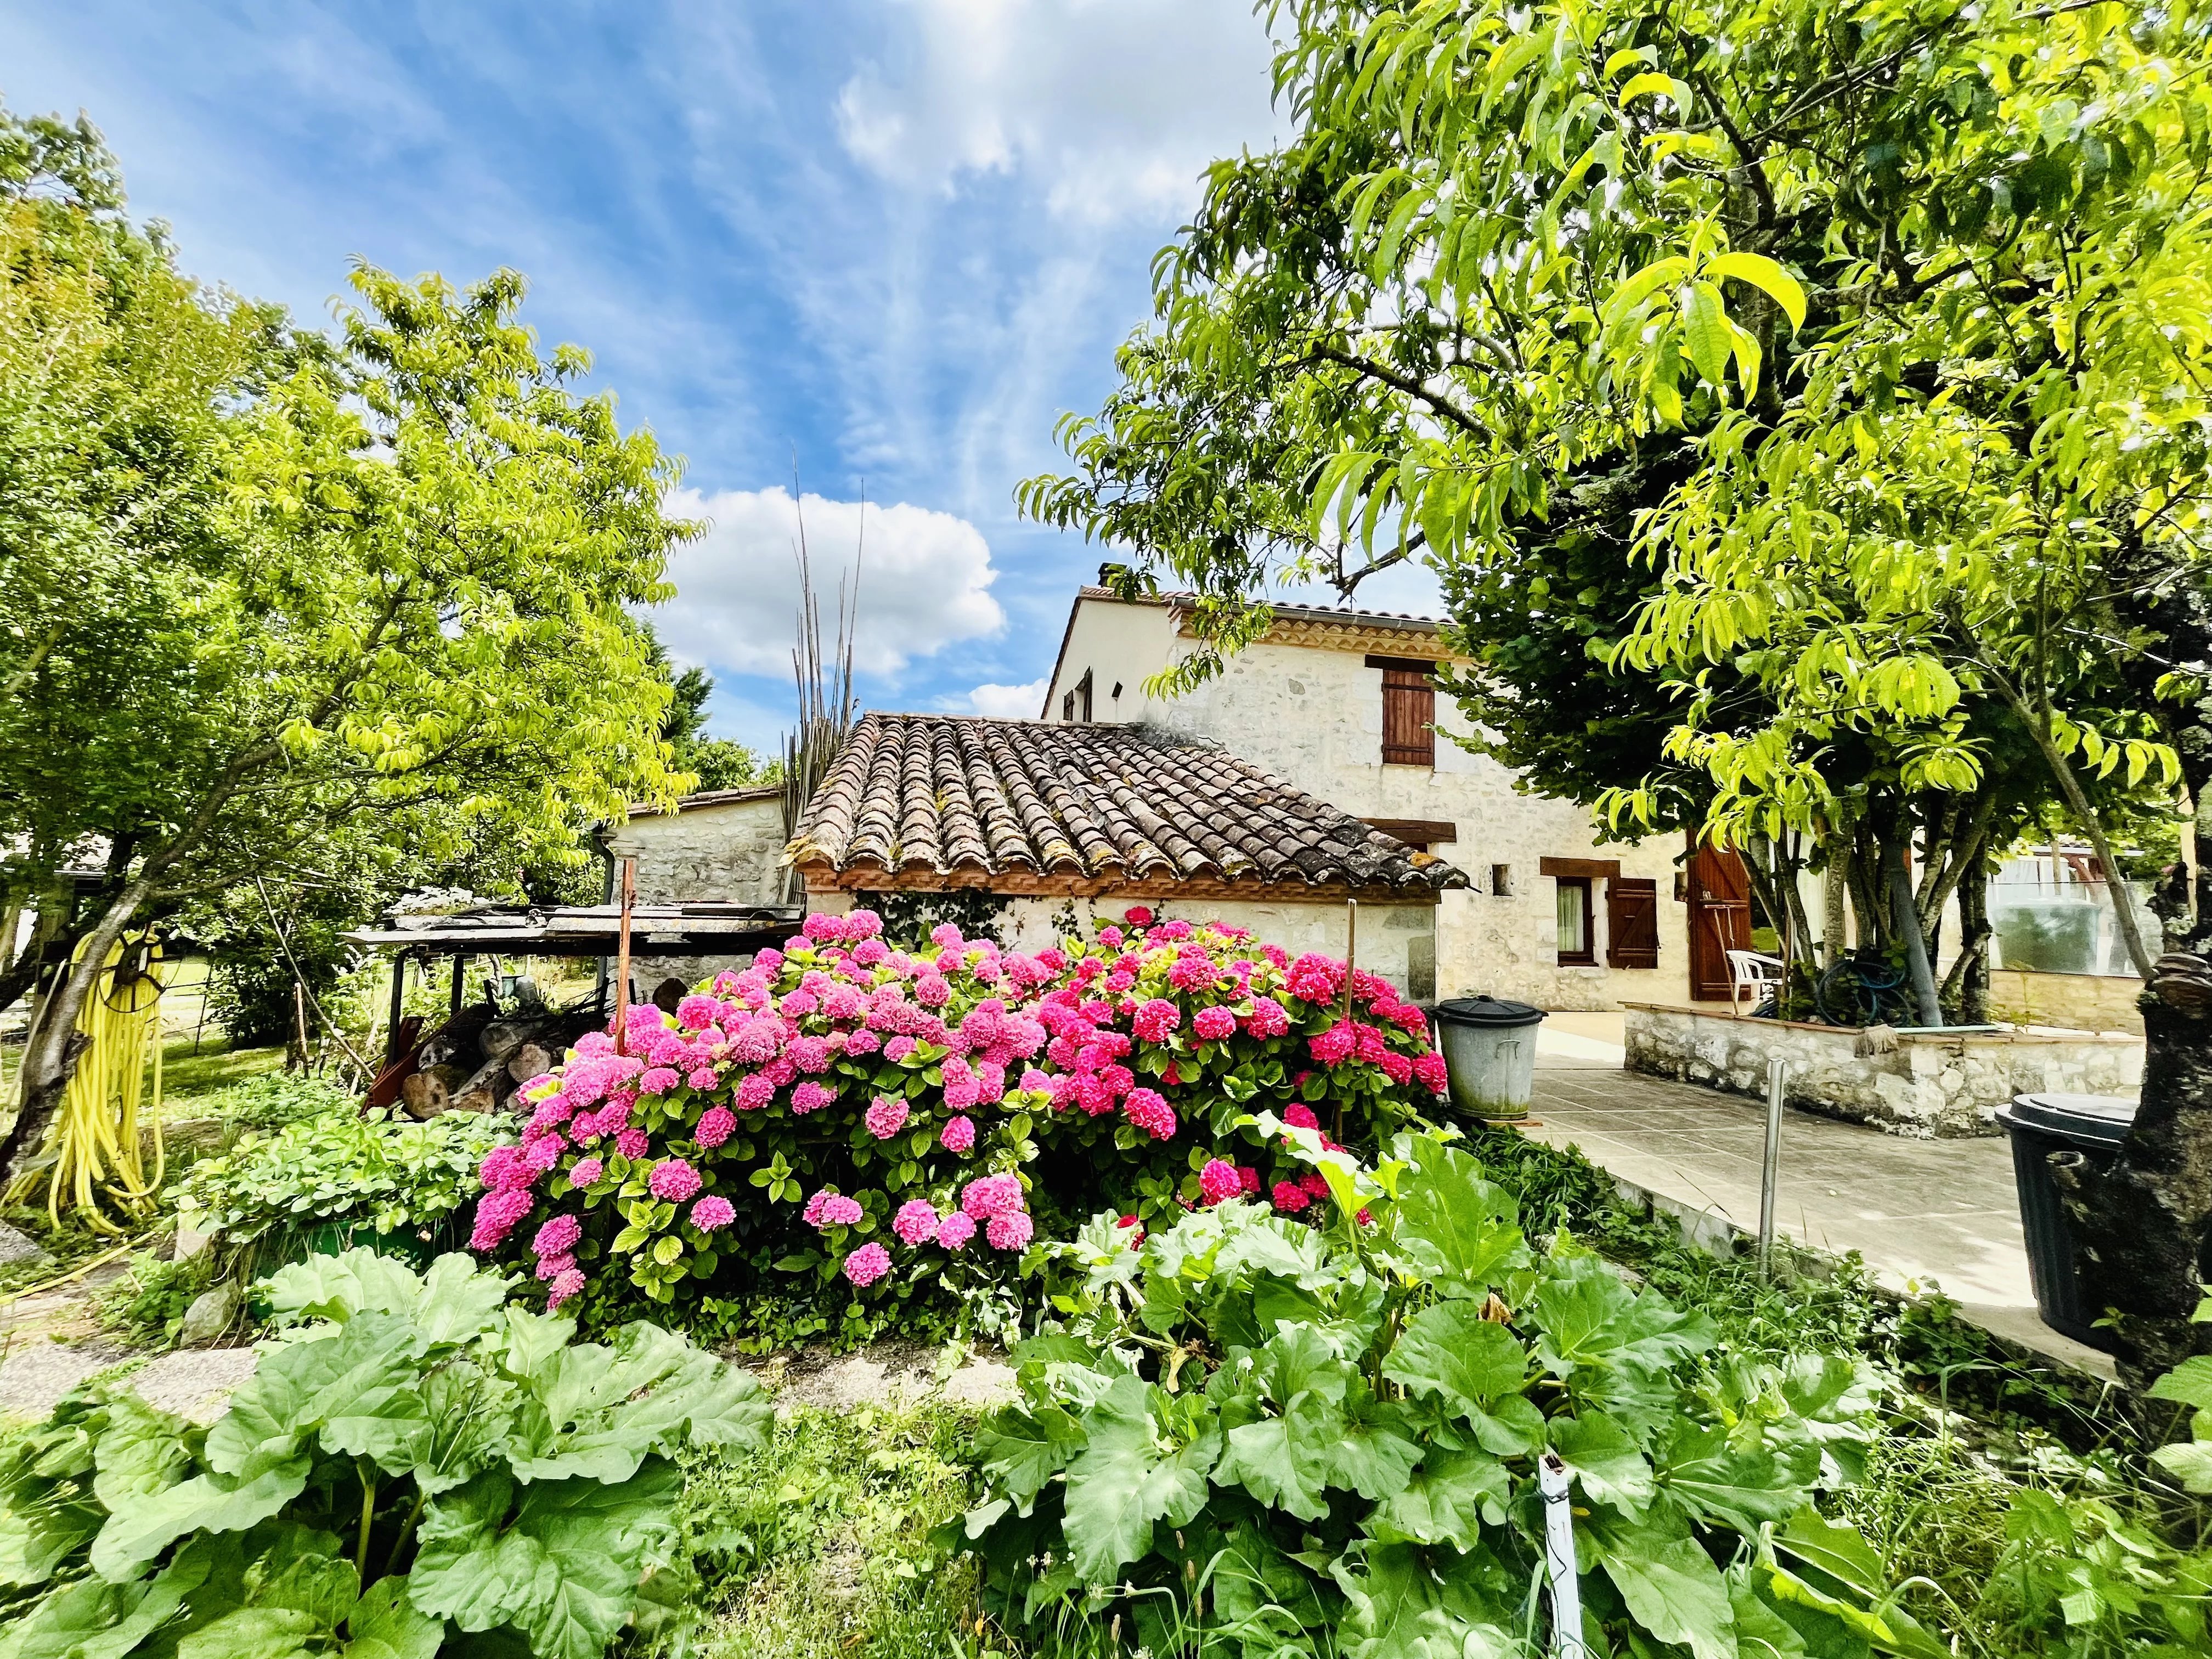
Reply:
x=1754, y=972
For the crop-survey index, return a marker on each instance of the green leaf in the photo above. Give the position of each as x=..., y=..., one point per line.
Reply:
x=1021, y=1451
x=254, y=1633
x=1606, y=1459
x=1738, y=1486
x=2189, y=1462
x=142, y=1452
x=1672, y=1588
x=359, y=1371
x=385, y=1625
x=206, y=1503
x=1413, y=1603
x=1704, y=329
x=1448, y=1500
x=1770, y=278
x=598, y=1410
x=2191, y=1382
x=1128, y=1477
x=1452, y=1352
x=1462, y=1231
x=1285, y=1461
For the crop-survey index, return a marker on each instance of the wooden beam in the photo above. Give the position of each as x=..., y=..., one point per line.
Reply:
x=1593, y=869
x=1417, y=832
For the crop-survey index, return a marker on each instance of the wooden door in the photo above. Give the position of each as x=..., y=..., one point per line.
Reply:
x=1719, y=894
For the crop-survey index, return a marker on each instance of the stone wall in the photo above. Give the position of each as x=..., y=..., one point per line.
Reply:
x=2085, y=1002
x=730, y=851
x=1932, y=1086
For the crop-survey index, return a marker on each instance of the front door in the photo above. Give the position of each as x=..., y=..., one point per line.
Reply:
x=1719, y=893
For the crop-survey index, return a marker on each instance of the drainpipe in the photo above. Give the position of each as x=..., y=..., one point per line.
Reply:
x=606, y=857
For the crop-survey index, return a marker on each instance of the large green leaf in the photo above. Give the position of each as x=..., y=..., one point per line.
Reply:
x=564, y=1568
x=1448, y=1500
x=206, y=1503
x=361, y=1371
x=1452, y=1352
x=1285, y=1461
x=1463, y=1230
x=597, y=1411
x=1605, y=1459
x=1672, y=1587
x=1717, y=1481
x=255, y=1633
x=337, y=1287
x=1592, y=1322
x=2191, y=1382
x=1376, y=1450
x=1020, y=1450
x=1411, y=1603
x=1128, y=1478
x=142, y=1451
x=1704, y=329
x=385, y=1625
x=455, y=1423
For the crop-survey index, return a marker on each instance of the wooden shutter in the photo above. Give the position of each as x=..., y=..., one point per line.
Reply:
x=1631, y=919
x=1409, y=710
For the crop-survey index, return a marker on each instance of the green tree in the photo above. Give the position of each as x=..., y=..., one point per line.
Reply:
x=408, y=610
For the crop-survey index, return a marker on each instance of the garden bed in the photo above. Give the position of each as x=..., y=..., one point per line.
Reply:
x=1931, y=1085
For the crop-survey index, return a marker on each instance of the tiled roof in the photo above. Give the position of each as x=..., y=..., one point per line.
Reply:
x=1286, y=610
x=944, y=795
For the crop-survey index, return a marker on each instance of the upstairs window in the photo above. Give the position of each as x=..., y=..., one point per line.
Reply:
x=1409, y=711
x=1076, y=705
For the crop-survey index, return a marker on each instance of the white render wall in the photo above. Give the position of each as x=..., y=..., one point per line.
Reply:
x=727, y=851
x=1314, y=717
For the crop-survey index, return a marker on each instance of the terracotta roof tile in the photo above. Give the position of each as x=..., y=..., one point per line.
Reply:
x=954, y=793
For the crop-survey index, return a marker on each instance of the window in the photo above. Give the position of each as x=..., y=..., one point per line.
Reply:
x=1076, y=705
x=1409, y=711
x=1501, y=880
x=1577, y=947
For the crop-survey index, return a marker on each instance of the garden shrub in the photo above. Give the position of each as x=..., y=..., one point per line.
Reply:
x=374, y=1175
x=1285, y=1439
x=276, y=1099
x=416, y=1460
x=911, y=1119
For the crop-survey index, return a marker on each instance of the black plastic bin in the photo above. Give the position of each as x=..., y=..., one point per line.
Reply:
x=2040, y=1125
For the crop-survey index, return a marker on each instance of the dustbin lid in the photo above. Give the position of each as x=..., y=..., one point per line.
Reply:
x=1487, y=1010
x=2102, y=1120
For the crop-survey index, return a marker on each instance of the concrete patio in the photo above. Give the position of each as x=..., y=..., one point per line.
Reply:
x=1922, y=1213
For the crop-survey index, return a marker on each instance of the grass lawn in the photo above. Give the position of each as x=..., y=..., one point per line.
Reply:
x=216, y=1066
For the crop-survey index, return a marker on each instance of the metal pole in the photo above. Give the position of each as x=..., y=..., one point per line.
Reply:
x=1777, y=1069
x=1552, y=1480
x=621, y=955
x=399, y=1005
x=454, y=1011
x=1350, y=949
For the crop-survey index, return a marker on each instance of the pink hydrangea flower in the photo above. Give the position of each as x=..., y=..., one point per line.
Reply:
x=811, y=1212
x=557, y=1237
x=552, y=1267
x=1429, y=1068
x=885, y=1117
x=1155, y=1020
x=594, y=1042
x=998, y=1195
x=1300, y=1117
x=672, y=1179
x=1269, y=1018
x=823, y=927
x=497, y=1213
x=702, y=1077
x=1035, y=1082
x=1315, y=1183
x=1334, y=1046
x=1149, y=1110
x=697, y=1011
x=769, y=961
x=836, y=1211
x=715, y=1125
x=931, y=991
x=543, y=1153
x=916, y=1222
x=862, y=1042
x=809, y=1053
x=753, y=1092
x=1315, y=978
x=1010, y=1232
x=632, y=1144
x=1213, y=1023
x=958, y=1135
x=1290, y=1197
x=712, y=1212
x=869, y=951
x=955, y=1230
x=503, y=1170
x=585, y=1171
x=658, y=1081
x=566, y=1285
x=1193, y=973
x=867, y=1265
x=1395, y=1067
x=811, y=1096
x=1219, y=1181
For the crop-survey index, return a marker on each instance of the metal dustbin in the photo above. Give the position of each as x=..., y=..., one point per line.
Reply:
x=2040, y=1125
x=1490, y=1051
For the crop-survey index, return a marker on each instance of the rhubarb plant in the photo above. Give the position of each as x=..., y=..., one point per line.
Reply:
x=417, y=1467
x=1243, y=1434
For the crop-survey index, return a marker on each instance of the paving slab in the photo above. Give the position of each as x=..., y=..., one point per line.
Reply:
x=194, y=1384
x=1924, y=1214
x=37, y=1373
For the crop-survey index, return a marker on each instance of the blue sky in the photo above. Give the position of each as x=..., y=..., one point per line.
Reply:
x=887, y=240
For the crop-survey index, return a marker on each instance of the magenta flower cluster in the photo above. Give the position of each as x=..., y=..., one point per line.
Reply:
x=839, y=1044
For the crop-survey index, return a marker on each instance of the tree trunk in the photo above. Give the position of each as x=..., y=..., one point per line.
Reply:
x=49, y=1059
x=1974, y=935
x=1835, y=921
x=1906, y=923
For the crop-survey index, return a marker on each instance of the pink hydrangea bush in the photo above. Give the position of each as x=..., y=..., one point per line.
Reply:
x=843, y=1102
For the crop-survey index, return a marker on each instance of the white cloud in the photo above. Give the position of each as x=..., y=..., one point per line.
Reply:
x=925, y=580
x=1115, y=106
x=1007, y=702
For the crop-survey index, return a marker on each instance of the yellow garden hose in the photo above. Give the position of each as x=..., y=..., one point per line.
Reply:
x=93, y=1146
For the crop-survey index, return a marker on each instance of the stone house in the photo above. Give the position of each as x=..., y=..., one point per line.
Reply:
x=1057, y=824
x=1341, y=704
